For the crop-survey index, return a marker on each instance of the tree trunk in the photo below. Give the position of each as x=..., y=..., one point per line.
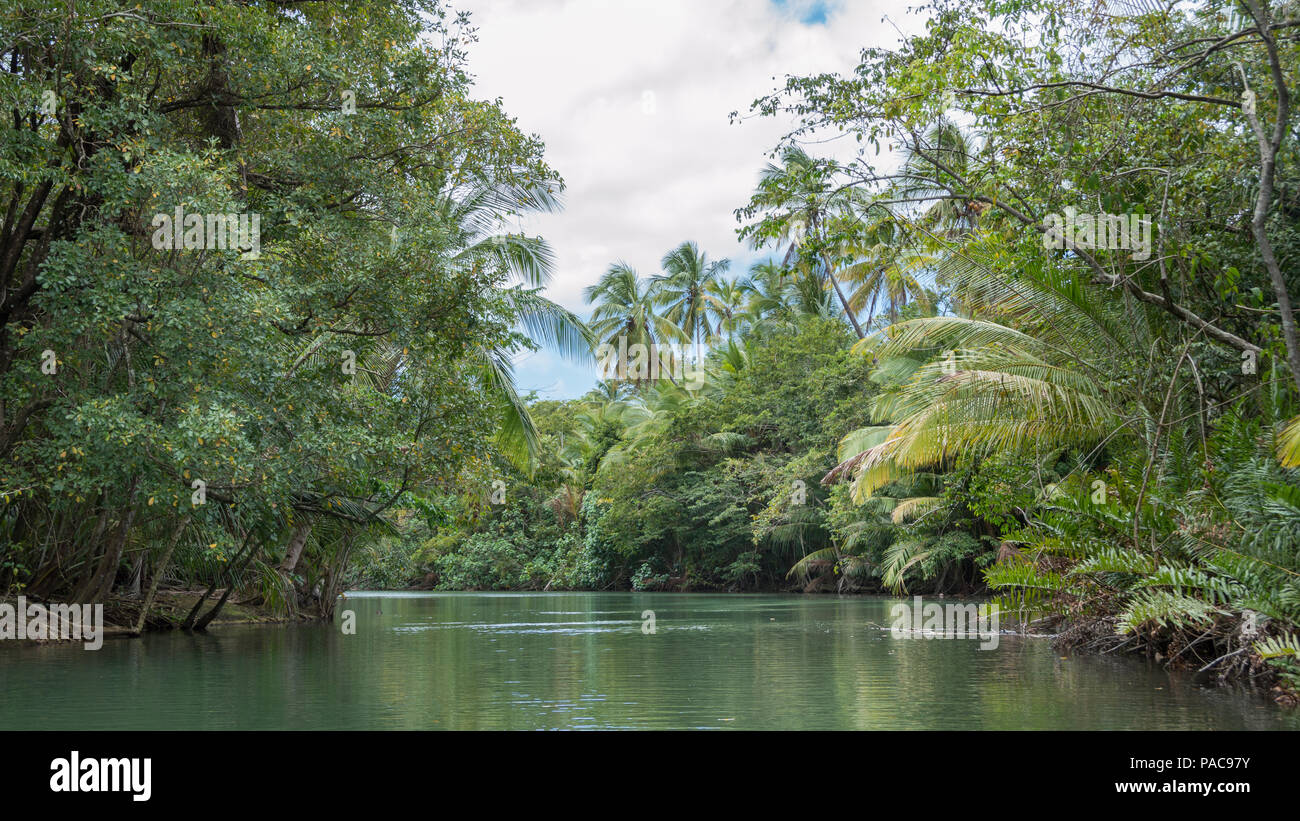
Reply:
x=188, y=624
x=835, y=283
x=100, y=583
x=1269, y=148
x=296, y=543
x=202, y=624
x=157, y=576
x=333, y=581
x=137, y=570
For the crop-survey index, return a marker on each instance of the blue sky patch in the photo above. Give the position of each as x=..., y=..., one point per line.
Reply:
x=810, y=12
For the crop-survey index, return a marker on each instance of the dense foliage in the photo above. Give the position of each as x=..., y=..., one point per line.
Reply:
x=250, y=409
x=1101, y=428
x=1035, y=338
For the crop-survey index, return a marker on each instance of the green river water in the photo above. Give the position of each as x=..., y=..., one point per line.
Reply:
x=484, y=661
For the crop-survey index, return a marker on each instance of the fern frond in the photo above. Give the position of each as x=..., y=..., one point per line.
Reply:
x=1164, y=608
x=1116, y=560
x=1276, y=647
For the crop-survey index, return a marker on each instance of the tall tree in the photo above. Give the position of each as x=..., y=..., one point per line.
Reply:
x=796, y=198
x=625, y=305
x=683, y=289
x=314, y=358
x=725, y=301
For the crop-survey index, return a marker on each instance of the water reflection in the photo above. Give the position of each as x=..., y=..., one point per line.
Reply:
x=582, y=660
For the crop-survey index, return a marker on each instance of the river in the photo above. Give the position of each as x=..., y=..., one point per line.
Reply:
x=583, y=660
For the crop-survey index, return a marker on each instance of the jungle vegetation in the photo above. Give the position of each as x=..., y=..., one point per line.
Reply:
x=249, y=417
x=927, y=384
x=929, y=387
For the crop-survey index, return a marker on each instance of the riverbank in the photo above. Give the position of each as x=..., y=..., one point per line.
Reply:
x=170, y=607
x=1224, y=654
x=169, y=610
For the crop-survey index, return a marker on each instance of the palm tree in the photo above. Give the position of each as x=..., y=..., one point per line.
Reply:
x=567, y=499
x=1037, y=382
x=683, y=289
x=724, y=304
x=651, y=413
x=606, y=392
x=806, y=292
x=625, y=307
x=1288, y=444
x=766, y=289
x=477, y=214
x=799, y=197
x=888, y=262
x=1037, y=385
x=943, y=160
x=474, y=215
x=778, y=295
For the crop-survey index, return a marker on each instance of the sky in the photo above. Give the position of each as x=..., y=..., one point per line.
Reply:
x=632, y=98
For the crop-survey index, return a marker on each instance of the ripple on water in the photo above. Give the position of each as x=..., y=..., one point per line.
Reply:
x=581, y=661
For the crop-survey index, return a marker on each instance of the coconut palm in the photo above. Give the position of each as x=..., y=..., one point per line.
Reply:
x=625, y=307
x=1029, y=373
x=724, y=304
x=652, y=412
x=477, y=214
x=1288, y=444
x=887, y=264
x=806, y=292
x=766, y=292
x=606, y=392
x=1035, y=386
x=944, y=159
x=572, y=458
x=779, y=295
x=799, y=197
x=626, y=313
x=682, y=289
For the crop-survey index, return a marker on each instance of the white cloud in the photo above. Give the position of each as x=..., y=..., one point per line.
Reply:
x=632, y=99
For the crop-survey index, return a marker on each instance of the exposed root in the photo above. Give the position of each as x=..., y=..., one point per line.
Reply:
x=1223, y=653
